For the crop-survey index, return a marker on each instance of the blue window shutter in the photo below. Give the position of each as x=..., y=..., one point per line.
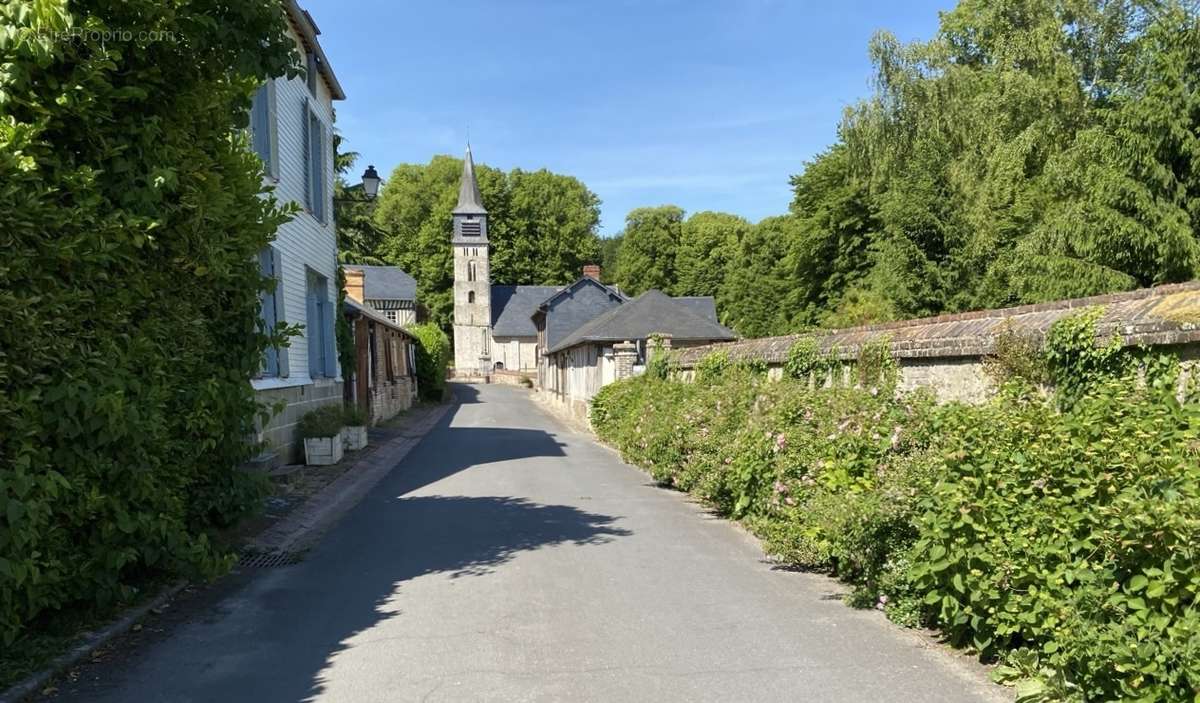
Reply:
x=280, y=311
x=260, y=125
x=330, y=320
x=273, y=127
x=312, y=326
x=308, y=166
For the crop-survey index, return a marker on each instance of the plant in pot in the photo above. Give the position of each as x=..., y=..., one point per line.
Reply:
x=322, y=433
x=354, y=434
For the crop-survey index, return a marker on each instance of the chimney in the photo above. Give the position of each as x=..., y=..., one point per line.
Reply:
x=354, y=284
x=592, y=271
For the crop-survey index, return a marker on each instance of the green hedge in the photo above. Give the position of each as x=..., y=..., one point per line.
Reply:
x=433, y=358
x=129, y=287
x=1062, y=541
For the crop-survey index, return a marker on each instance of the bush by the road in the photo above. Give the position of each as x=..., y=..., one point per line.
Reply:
x=433, y=358
x=129, y=292
x=1061, y=538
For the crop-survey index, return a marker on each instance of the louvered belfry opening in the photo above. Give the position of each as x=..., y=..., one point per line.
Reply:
x=471, y=228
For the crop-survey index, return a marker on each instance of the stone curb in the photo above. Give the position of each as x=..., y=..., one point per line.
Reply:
x=296, y=532
x=90, y=643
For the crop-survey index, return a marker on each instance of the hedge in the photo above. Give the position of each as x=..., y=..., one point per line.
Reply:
x=1059, y=537
x=129, y=291
x=433, y=358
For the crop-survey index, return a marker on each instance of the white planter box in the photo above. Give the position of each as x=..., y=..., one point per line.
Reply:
x=354, y=438
x=322, y=451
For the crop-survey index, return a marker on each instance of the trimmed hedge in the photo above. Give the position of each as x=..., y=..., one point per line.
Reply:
x=1062, y=538
x=433, y=358
x=129, y=290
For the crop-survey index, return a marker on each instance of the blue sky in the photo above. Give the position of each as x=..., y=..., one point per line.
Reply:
x=706, y=104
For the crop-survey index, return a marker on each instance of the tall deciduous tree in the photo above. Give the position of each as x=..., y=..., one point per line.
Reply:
x=648, y=249
x=708, y=241
x=750, y=299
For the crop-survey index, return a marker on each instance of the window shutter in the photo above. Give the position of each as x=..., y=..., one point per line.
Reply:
x=330, y=320
x=266, y=267
x=307, y=155
x=260, y=128
x=280, y=311
x=273, y=120
x=312, y=327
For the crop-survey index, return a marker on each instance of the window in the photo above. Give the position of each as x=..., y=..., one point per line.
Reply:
x=316, y=161
x=486, y=341
x=271, y=311
x=318, y=329
x=470, y=296
x=390, y=315
x=388, y=359
x=470, y=270
x=264, y=137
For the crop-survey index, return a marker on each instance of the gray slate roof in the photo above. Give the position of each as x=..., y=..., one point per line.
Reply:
x=386, y=283
x=652, y=312
x=703, y=305
x=576, y=305
x=513, y=306
x=470, y=202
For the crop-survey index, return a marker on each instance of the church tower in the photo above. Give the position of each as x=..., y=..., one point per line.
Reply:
x=472, y=282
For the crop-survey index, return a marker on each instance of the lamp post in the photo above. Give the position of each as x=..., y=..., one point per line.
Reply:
x=369, y=187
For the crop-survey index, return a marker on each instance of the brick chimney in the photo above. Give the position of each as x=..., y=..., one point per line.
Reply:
x=592, y=271
x=354, y=284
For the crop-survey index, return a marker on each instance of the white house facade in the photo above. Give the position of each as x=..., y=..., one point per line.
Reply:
x=291, y=129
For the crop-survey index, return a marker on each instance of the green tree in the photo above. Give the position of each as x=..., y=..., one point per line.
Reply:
x=610, y=250
x=359, y=239
x=541, y=227
x=133, y=216
x=750, y=299
x=648, y=249
x=708, y=241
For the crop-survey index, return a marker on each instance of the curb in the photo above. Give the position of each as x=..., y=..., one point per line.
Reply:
x=88, y=644
x=293, y=533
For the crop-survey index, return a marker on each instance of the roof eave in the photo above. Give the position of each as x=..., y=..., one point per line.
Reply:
x=308, y=32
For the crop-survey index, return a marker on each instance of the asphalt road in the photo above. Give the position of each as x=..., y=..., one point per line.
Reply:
x=510, y=558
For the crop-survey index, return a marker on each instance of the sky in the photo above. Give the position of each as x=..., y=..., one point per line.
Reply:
x=704, y=104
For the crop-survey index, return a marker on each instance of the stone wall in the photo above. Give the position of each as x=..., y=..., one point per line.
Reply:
x=280, y=432
x=947, y=353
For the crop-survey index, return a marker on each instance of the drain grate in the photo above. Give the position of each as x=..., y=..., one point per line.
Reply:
x=266, y=560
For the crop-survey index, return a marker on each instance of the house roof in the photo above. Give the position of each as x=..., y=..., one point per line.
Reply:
x=1163, y=315
x=513, y=308
x=307, y=28
x=585, y=280
x=652, y=312
x=470, y=202
x=703, y=305
x=387, y=283
x=353, y=307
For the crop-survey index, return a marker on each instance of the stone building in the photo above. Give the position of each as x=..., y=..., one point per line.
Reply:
x=384, y=382
x=493, y=328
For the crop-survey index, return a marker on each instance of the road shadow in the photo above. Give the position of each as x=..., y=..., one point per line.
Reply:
x=270, y=635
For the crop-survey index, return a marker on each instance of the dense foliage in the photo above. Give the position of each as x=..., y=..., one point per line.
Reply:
x=322, y=422
x=1031, y=150
x=129, y=289
x=541, y=226
x=433, y=358
x=1058, y=536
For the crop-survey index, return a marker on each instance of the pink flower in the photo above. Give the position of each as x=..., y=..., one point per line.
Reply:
x=790, y=500
x=780, y=488
x=896, y=437
x=728, y=460
x=780, y=442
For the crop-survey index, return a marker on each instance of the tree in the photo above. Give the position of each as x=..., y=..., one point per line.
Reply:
x=541, y=227
x=648, y=249
x=358, y=236
x=1127, y=203
x=708, y=241
x=610, y=249
x=750, y=299
x=133, y=215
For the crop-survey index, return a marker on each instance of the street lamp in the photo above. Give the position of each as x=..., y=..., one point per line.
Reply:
x=370, y=182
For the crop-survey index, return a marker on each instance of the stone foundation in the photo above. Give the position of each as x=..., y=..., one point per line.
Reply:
x=280, y=432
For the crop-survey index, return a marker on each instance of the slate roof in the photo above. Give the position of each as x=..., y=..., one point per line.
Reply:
x=513, y=308
x=575, y=305
x=1163, y=315
x=386, y=283
x=470, y=202
x=585, y=280
x=652, y=312
x=354, y=307
x=703, y=305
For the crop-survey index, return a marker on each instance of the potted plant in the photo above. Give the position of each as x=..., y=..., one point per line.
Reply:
x=354, y=433
x=322, y=433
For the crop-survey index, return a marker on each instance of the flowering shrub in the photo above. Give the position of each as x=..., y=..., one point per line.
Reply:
x=1059, y=537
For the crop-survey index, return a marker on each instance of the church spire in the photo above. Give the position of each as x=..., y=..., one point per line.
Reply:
x=470, y=202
